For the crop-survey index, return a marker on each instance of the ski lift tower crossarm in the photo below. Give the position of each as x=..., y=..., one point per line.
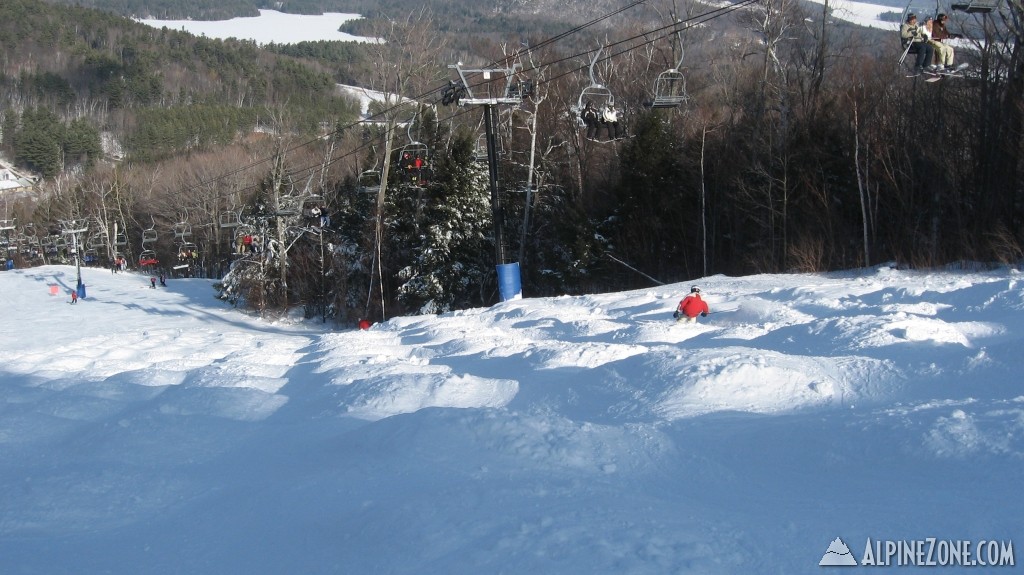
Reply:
x=512, y=90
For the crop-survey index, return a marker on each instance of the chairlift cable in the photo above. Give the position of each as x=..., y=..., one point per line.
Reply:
x=671, y=29
x=666, y=30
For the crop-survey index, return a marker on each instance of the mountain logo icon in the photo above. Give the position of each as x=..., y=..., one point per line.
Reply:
x=838, y=555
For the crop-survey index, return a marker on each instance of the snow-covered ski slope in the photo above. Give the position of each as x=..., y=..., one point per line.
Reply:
x=160, y=431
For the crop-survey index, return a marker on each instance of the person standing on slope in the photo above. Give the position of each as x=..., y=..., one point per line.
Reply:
x=691, y=306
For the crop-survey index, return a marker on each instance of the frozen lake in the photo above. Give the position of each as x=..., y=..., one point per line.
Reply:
x=269, y=26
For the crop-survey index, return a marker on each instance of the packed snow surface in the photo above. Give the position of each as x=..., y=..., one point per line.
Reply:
x=161, y=431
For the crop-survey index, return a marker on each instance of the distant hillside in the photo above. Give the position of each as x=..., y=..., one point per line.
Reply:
x=177, y=9
x=456, y=16
x=159, y=91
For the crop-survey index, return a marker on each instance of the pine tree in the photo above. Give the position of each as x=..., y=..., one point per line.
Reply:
x=37, y=144
x=453, y=263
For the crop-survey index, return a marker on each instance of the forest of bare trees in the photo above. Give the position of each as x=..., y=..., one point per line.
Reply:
x=801, y=146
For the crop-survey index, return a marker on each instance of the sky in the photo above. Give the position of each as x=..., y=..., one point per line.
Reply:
x=162, y=431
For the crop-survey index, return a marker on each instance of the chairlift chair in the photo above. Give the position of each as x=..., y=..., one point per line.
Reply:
x=413, y=160
x=521, y=89
x=182, y=230
x=670, y=85
x=149, y=236
x=148, y=258
x=480, y=150
x=120, y=239
x=188, y=250
x=370, y=179
x=49, y=246
x=242, y=248
x=286, y=211
x=596, y=93
x=414, y=149
x=311, y=203
x=669, y=89
x=97, y=241
x=230, y=219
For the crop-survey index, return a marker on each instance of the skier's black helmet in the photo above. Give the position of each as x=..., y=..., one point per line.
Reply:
x=695, y=289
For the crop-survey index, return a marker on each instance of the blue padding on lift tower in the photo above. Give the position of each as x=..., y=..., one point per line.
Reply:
x=510, y=285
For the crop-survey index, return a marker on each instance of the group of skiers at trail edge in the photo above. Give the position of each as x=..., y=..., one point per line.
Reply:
x=927, y=42
x=691, y=306
x=595, y=119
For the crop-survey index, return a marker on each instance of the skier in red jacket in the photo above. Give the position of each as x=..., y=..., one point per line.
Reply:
x=691, y=306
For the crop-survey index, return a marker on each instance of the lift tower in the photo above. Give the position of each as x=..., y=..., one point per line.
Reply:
x=490, y=88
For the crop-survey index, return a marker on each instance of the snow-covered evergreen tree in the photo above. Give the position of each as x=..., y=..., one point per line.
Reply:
x=453, y=254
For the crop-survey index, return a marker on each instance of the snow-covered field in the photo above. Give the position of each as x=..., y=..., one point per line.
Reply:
x=269, y=26
x=160, y=431
x=862, y=13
